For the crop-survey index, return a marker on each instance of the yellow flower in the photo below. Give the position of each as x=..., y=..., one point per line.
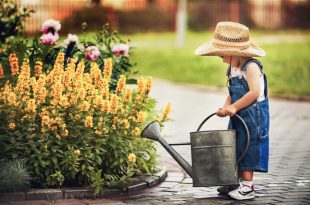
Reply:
x=104, y=88
x=57, y=90
x=128, y=95
x=77, y=152
x=31, y=105
x=58, y=120
x=141, y=86
x=88, y=121
x=81, y=93
x=121, y=84
x=64, y=102
x=1, y=72
x=44, y=112
x=14, y=64
x=166, y=111
x=12, y=125
x=107, y=71
x=38, y=68
x=60, y=57
x=114, y=103
x=137, y=131
x=85, y=106
x=23, y=85
x=126, y=124
x=98, y=132
x=77, y=117
x=80, y=69
x=132, y=158
x=141, y=116
x=98, y=102
x=148, y=85
x=45, y=120
x=65, y=133
x=11, y=98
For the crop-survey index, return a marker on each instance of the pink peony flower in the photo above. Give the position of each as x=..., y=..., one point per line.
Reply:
x=121, y=50
x=92, y=53
x=49, y=38
x=71, y=39
x=51, y=26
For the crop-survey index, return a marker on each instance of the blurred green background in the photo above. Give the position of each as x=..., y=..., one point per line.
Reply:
x=281, y=28
x=287, y=62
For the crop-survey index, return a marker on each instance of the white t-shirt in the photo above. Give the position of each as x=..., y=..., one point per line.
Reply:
x=236, y=72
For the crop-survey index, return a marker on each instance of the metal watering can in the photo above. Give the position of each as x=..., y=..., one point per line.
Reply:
x=213, y=154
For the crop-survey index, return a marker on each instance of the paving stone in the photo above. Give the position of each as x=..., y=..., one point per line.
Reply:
x=187, y=180
x=174, y=179
x=175, y=174
x=167, y=184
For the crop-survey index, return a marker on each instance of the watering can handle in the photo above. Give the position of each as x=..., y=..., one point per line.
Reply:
x=246, y=129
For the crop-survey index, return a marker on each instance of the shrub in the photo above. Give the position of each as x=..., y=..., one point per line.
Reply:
x=42, y=52
x=12, y=18
x=72, y=128
x=13, y=176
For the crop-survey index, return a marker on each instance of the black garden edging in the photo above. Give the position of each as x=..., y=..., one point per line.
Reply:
x=136, y=184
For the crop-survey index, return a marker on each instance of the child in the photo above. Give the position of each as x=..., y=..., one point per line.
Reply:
x=247, y=97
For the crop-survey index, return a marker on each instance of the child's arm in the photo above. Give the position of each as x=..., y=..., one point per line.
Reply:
x=221, y=112
x=253, y=74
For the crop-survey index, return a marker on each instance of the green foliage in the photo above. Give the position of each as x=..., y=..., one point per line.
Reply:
x=286, y=62
x=73, y=130
x=55, y=179
x=14, y=176
x=36, y=51
x=12, y=18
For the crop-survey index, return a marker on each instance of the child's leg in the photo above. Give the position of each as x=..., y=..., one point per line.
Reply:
x=247, y=178
x=247, y=175
x=245, y=190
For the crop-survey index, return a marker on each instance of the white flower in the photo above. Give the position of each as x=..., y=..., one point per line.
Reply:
x=121, y=49
x=51, y=26
x=71, y=39
x=49, y=38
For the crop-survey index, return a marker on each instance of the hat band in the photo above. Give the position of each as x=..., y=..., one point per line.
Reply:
x=224, y=44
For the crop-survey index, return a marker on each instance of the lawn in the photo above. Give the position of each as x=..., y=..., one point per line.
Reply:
x=287, y=63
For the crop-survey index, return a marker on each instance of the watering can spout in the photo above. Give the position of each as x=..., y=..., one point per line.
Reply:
x=152, y=131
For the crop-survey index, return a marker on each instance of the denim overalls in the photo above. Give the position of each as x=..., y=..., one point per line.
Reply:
x=256, y=116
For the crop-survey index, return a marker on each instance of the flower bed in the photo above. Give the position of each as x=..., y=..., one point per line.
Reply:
x=67, y=111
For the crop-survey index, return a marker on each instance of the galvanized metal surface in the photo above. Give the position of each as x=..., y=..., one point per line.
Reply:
x=213, y=154
x=214, y=158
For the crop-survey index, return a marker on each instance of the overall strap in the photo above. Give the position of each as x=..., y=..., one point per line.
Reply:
x=260, y=65
x=244, y=66
x=228, y=71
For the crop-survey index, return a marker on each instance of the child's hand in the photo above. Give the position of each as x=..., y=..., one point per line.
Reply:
x=221, y=112
x=230, y=110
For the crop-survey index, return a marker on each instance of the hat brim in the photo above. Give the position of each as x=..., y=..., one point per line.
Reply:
x=208, y=49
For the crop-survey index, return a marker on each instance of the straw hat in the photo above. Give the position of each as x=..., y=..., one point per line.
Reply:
x=230, y=39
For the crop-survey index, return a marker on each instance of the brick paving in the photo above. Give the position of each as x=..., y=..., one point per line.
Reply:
x=288, y=180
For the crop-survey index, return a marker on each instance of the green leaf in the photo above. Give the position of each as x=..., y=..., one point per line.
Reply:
x=54, y=159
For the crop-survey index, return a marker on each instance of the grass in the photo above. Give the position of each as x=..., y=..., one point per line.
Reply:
x=287, y=63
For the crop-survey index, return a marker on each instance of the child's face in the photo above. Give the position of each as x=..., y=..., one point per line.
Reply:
x=226, y=59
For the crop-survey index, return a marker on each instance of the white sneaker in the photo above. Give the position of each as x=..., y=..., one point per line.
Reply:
x=243, y=192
